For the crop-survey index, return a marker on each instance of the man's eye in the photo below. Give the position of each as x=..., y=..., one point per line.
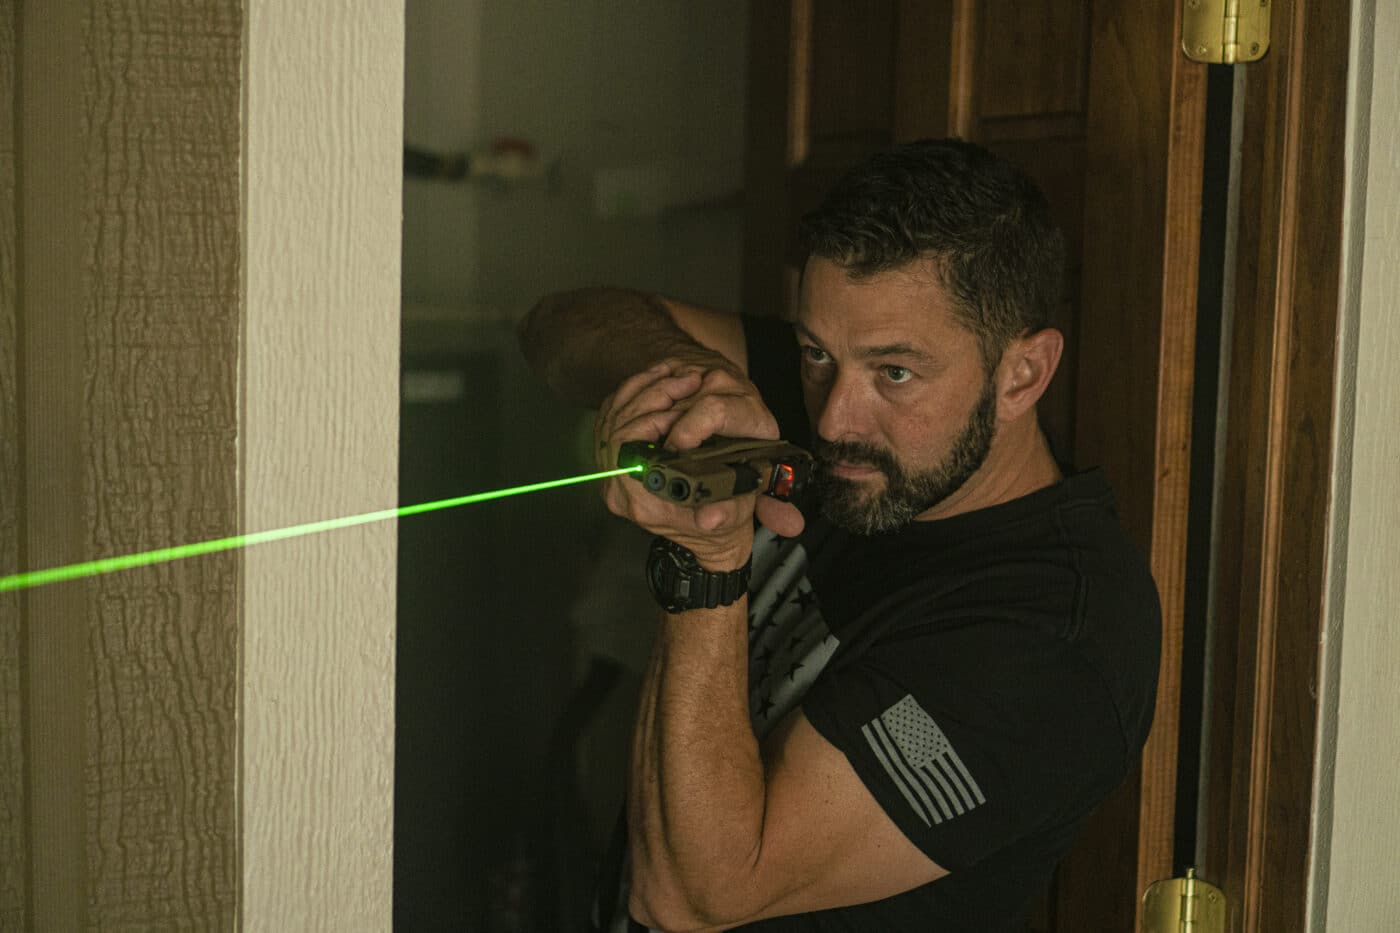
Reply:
x=815, y=354
x=897, y=374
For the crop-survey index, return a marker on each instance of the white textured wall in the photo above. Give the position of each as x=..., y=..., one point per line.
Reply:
x=1355, y=886
x=320, y=431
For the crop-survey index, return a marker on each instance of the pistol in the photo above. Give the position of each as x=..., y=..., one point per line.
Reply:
x=720, y=468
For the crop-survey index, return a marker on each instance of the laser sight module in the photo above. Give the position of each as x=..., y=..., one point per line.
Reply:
x=721, y=468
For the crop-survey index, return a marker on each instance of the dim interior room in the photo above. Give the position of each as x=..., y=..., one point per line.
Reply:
x=548, y=146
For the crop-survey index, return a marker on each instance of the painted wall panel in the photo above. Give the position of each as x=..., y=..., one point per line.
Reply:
x=162, y=102
x=130, y=328
x=323, y=180
x=1358, y=819
x=128, y=312
x=13, y=851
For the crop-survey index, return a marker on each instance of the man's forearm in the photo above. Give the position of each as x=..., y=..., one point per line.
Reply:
x=583, y=343
x=696, y=796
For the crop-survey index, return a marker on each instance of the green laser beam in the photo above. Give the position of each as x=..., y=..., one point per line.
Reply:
x=33, y=578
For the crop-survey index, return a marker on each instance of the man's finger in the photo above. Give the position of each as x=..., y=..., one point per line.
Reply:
x=730, y=415
x=781, y=518
x=634, y=385
x=664, y=394
x=717, y=515
x=650, y=390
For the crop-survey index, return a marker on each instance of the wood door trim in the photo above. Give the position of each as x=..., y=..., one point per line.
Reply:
x=962, y=72
x=799, y=83
x=1172, y=492
x=1272, y=559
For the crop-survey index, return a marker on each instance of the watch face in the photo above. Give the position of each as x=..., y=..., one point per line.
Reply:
x=656, y=575
x=679, y=583
x=667, y=581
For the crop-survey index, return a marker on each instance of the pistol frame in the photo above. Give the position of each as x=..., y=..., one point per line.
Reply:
x=721, y=468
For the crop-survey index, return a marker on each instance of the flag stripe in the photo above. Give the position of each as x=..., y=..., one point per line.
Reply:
x=895, y=769
x=967, y=776
x=921, y=761
x=948, y=766
x=937, y=806
x=899, y=752
x=945, y=767
x=890, y=769
x=932, y=771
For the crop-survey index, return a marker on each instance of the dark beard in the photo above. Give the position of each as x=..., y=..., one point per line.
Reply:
x=847, y=504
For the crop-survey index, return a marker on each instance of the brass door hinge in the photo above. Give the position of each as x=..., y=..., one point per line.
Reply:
x=1183, y=905
x=1224, y=32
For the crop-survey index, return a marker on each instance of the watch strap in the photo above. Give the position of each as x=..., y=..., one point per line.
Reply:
x=679, y=582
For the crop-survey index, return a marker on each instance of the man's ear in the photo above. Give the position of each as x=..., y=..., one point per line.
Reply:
x=1025, y=370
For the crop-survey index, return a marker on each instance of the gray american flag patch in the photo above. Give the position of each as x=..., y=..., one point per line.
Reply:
x=921, y=762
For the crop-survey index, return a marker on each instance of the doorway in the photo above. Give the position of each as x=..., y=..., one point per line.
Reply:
x=523, y=624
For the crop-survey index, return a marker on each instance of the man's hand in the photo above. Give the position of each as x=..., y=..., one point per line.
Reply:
x=681, y=402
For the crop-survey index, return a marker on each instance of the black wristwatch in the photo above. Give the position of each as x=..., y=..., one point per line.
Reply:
x=679, y=582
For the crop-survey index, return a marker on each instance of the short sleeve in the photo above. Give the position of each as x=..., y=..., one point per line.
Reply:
x=974, y=738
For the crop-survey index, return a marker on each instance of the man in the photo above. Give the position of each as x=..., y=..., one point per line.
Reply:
x=949, y=659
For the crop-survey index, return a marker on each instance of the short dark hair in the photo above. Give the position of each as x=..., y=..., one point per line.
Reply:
x=984, y=223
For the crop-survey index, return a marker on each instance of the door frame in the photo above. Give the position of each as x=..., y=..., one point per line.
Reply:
x=1270, y=568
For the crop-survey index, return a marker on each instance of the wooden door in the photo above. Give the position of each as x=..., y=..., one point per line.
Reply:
x=1114, y=139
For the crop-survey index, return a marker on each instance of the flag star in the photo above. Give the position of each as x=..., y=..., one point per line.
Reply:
x=794, y=641
x=796, y=666
x=766, y=706
x=767, y=623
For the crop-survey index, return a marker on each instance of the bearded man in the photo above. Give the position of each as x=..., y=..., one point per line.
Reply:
x=894, y=708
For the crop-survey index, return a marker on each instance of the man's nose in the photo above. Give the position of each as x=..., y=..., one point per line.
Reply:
x=843, y=411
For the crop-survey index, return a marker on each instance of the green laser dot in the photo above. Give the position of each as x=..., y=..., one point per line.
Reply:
x=33, y=578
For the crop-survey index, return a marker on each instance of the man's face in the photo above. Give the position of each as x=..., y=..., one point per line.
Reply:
x=902, y=406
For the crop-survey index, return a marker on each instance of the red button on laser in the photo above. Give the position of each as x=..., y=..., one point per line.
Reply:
x=782, y=481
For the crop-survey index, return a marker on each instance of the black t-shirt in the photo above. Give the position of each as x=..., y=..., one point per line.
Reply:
x=989, y=676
